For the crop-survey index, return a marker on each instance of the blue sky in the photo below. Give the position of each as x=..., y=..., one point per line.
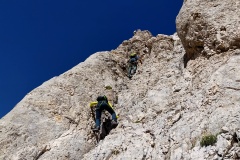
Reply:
x=40, y=39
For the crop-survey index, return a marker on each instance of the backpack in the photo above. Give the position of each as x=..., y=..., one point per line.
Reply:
x=133, y=60
x=102, y=98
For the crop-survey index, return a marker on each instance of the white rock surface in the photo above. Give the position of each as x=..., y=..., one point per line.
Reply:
x=209, y=27
x=170, y=103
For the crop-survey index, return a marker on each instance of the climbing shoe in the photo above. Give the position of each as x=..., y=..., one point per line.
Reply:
x=114, y=124
x=96, y=129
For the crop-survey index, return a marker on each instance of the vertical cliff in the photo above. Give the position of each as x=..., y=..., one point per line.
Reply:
x=188, y=86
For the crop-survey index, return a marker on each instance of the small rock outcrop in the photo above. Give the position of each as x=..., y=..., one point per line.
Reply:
x=209, y=27
x=187, y=87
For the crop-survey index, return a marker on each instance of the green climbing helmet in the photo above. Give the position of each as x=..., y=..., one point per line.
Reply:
x=133, y=54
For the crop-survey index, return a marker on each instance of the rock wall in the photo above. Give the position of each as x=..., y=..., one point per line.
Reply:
x=56, y=114
x=186, y=87
x=209, y=27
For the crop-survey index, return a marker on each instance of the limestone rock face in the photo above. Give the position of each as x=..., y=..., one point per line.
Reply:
x=56, y=114
x=164, y=110
x=209, y=27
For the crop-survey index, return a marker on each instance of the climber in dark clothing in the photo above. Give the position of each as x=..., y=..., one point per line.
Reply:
x=103, y=104
x=132, y=64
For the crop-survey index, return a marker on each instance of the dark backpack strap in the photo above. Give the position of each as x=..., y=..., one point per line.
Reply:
x=105, y=98
x=99, y=104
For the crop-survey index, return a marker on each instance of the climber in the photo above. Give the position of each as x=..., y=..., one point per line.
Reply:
x=103, y=104
x=132, y=64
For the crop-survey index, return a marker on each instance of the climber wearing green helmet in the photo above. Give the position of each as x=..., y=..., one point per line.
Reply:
x=132, y=64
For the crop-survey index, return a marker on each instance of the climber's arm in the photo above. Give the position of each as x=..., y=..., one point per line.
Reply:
x=92, y=104
x=110, y=105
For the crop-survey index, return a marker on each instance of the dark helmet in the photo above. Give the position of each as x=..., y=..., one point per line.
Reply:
x=101, y=98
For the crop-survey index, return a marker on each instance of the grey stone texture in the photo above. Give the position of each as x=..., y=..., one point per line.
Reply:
x=209, y=27
x=172, y=101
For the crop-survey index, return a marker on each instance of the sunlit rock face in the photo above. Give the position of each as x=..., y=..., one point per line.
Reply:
x=164, y=111
x=209, y=27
